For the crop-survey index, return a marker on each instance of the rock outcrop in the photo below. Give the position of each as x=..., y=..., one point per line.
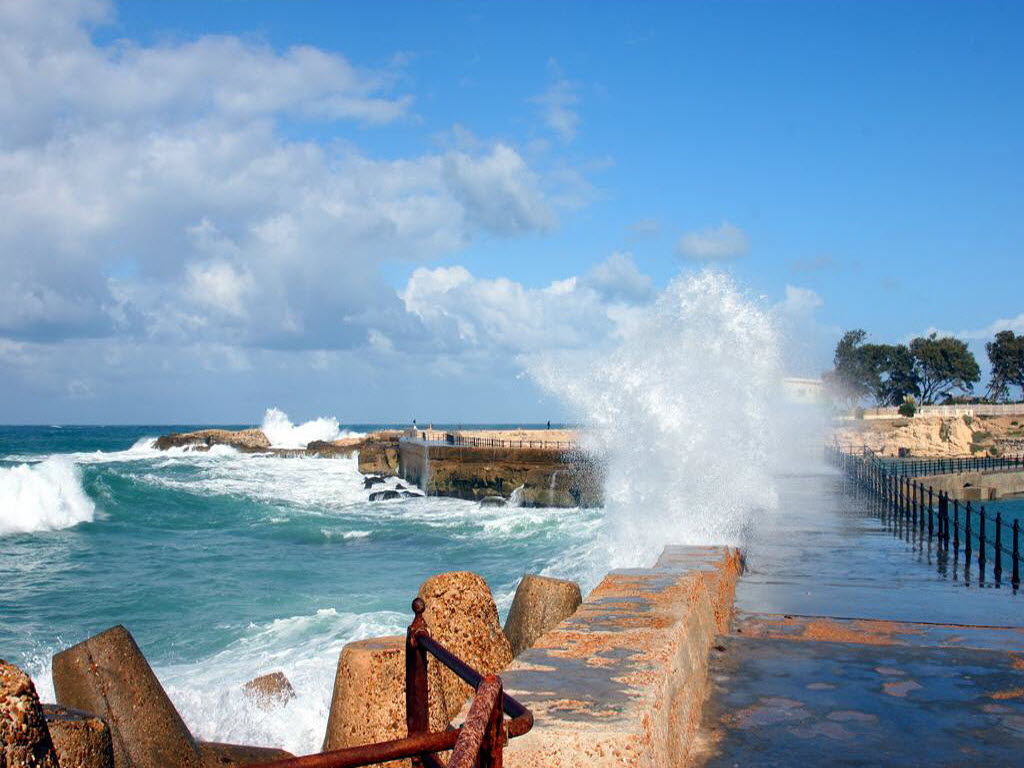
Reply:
x=540, y=604
x=270, y=690
x=24, y=738
x=81, y=739
x=461, y=615
x=245, y=440
x=919, y=436
x=378, y=453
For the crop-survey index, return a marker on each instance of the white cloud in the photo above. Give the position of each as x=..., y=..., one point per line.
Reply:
x=987, y=333
x=724, y=241
x=462, y=311
x=558, y=103
x=800, y=301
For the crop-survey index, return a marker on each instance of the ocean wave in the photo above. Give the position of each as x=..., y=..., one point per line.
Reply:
x=46, y=496
x=283, y=434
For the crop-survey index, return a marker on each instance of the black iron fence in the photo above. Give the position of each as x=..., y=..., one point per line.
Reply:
x=953, y=526
x=924, y=467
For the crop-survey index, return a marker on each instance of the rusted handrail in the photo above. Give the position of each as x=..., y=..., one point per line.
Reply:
x=478, y=742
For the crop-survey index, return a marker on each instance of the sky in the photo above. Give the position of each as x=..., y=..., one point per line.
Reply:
x=383, y=211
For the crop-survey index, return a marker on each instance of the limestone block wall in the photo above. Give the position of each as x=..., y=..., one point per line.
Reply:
x=622, y=681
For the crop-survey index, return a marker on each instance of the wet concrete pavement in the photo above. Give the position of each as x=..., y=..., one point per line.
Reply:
x=853, y=646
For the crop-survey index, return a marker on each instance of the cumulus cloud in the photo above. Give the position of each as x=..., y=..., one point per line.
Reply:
x=464, y=312
x=148, y=190
x=724, y=241
x=800, y=301
x=558, y=104
x=1015, y=324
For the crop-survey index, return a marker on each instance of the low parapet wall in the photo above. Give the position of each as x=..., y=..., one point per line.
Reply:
x=976, y=486
x=622, y=681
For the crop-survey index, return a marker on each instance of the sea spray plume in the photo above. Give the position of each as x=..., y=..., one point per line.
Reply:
x=43, y=497
x=283, y=434
x=680, y=411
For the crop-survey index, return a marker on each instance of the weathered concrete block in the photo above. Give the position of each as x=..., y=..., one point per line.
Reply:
x=622, y=681
x=108, y=675
x=81, y=739
x=213, y=754
x=540, y=604
x=461, y=616
x=270, y=690
x=368, y=704
x=24, y=738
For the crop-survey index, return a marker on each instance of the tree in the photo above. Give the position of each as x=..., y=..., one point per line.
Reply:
x=853, y=377
x=1006, y=354
x=897, y=378
x=943, y=365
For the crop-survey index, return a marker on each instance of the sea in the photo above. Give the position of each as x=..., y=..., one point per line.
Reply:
x=225, y=566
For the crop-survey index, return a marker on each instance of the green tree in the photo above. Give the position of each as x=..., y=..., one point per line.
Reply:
x=853, y=378
x=897, y=377
x=1006, y=354
x=943, y=365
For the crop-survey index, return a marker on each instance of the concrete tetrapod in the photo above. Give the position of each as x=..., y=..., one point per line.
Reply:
x=107, y=674
x=540, y=604
x=461, y=616
x=82, y=739
x=24, y=738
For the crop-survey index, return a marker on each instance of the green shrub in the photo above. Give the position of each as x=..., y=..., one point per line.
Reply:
x=980, y=437
x=968, y=419
x=907, y=409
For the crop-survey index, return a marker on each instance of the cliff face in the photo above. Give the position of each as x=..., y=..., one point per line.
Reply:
x=933, y=437
x=543, y=477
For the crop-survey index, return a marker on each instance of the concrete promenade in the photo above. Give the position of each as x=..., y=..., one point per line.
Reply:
x=851, y=647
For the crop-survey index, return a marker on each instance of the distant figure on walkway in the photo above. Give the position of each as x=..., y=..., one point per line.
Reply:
x=549, y=423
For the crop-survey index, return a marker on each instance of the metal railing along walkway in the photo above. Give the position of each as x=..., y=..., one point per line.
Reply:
x=918, y=509
x=452, y=438
x=478, y=743
x=924, y=467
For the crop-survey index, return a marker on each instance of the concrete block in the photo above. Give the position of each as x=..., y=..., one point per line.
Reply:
x=540, y=604
x=368, y=704
x=461, y=616
x=108, y=675
x=82, y=739
x=213, y=754
x=24, y=738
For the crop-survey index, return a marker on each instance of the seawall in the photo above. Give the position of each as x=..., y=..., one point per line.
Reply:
x=549, y=477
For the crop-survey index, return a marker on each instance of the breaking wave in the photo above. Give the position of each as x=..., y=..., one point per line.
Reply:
x=283, y=434
x=46, y=496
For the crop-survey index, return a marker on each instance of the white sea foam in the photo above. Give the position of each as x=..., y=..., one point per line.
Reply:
x=208, y=693
x=681, y=410
x=43, y=497
x=283, y=434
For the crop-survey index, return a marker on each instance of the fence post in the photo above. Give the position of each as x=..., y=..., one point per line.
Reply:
x=956, y=525
x=930, y=519
x=967, y=532
x=1015, y=578
x=981, y=537
x=417, y=705
x=998, y=570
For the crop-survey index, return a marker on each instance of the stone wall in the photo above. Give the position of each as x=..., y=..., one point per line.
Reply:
x=622, y=681
x=976, y=486
x=546, y=477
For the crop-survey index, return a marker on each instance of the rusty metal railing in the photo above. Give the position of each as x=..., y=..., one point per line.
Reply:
x=479, y=742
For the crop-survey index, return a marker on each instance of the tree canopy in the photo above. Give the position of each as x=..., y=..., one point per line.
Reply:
x=929, y=368
x=1006, y=355
x=943, y=365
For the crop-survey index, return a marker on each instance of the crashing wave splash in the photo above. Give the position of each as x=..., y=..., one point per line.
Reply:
x=283, y=434
x=682, y=410
x=46, y=496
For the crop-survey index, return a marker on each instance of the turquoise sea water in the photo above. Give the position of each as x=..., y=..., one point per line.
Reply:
x=225, y=566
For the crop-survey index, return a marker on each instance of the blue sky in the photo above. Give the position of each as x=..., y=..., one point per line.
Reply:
x=360, y=208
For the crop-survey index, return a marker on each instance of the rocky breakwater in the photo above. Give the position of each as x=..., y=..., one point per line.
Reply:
x=378, y=451
x=532, y=477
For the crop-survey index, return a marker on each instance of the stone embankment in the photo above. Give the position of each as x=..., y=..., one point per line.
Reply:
x=537, y=477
